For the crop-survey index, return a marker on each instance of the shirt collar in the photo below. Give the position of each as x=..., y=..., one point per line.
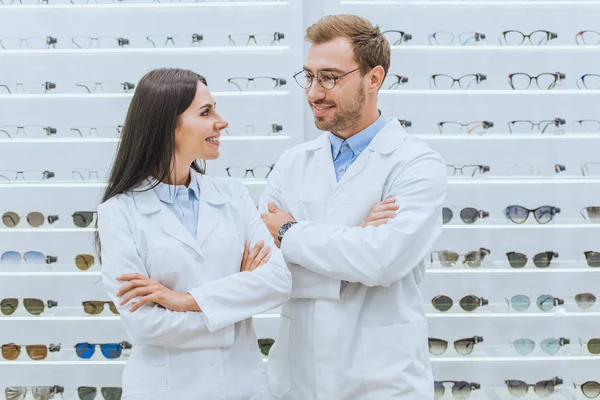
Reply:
x=168, y=193
x=359, y=141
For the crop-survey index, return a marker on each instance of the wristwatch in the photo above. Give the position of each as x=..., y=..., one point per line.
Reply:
x=284, y=228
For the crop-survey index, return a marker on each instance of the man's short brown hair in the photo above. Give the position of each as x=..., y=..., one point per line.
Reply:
x=370, y=47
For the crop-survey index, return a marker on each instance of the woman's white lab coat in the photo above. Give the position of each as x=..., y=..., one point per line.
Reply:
x=193, y=355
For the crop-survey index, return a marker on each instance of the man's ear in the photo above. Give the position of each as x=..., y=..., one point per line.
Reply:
x=376, y=76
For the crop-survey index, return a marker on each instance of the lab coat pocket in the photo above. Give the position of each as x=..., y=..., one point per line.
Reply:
x=146, y=371
x=394, y=361
x=278, y=367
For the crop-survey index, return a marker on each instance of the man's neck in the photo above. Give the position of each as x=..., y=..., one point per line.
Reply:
x=366, y=120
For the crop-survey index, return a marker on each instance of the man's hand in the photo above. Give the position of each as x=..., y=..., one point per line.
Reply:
x=381, y=213
x=153, y=292
x=254, y=258
x=274, y=219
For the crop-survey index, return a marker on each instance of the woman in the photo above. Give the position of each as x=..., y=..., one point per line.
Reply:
x=176, y=251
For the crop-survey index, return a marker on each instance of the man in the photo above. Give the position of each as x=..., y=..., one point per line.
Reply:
x=355, y=327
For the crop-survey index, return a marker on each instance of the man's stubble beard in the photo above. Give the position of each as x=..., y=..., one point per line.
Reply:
x=344, y=119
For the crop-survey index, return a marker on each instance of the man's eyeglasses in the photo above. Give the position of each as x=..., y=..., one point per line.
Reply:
x=527, y=126
x=326, y=79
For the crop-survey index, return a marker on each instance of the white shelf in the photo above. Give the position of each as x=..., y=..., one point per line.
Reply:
x=48, y=230
x=494, y=48
x=42, y=363
x=50, y=96
x=76, y=185
x=500, y=3
x=158, y=51
x=206, y=5
x=523, y=226
x=47, y=273
x=77, y=140
x=500, y=271
x=505, y=136
x=513, y=359
x=526, y=315
x=62, y=319
x=481, y=92
x=524, y=181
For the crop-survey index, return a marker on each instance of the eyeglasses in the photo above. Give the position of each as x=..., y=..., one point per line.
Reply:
x=470, y=170
x=586, y=126
x=529, y=170
x=472, y=259
x=326, y=79
x=83, y=175
x=589, y=81
x=396, y=38
x=517, y=38
x=468, y=215
x=265, y=345
x=109, y=350
x=175, y=40
x=460, y=389
x=257, y=83
x=31, y=175
x=39, y=392
x=550, y=346
x=94, y=1
x=259, y=39
x=90, y=392
x=591, y=213
x=544, y=81
x=107, y=87
x=86, y=42
x=592, y=258
x=25, y=2
x=405, y=123
x=588, y=38
x=528, y=126
x=28, y=43
x=544, y=302
x=14, y=258
x=84, y=261
x=101, y=131
x=28, y=87
x=443, y=38
x=593, y=345
x=463, y=347
x=251, y=130
x=540, y=260
x=11, y=351
x=94, y=307
x=258, y=172
x=468, y=303
x=519, y=214
x=34, y=219
x=442, y=81
x=31, y=131
x=590, y=389
x=452, y=127
x=541, y=388
x=83, y=219
x=590, y=169
x=393, y=81
x=585, y=301
x=33, y=306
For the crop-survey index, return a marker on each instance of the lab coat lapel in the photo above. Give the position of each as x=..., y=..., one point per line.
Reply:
x=208, y=212
x=324, y=161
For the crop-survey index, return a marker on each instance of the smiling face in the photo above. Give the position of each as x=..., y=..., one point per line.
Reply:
x=199, y=128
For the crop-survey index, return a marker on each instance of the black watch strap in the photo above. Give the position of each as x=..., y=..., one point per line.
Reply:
x=283, y=229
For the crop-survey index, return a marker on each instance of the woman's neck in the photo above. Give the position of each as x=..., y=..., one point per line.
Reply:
x=181, y=174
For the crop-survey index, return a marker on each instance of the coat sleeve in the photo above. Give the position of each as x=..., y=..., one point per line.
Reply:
x=378, y=256
x=306, y=284
x=241, y=295
x=151, y=324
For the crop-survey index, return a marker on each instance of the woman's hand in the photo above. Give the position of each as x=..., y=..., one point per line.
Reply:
x=255, y=258
x=151, y=291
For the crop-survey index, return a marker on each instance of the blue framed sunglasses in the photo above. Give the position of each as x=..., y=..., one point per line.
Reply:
x=109, y=350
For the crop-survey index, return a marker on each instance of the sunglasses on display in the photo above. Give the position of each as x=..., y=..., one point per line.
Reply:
x=585, y=301
x=587, y=38
x=545, y=303
x=397, y=38
x=35, y=219
x=109, y=350
x=30, y=131
x=14, y=258
x=405, y=123
x=36, y=352
x=528, y=126
x=519, y=214
x=175, y=40
x=28, y=176
x=90, y=393
x=593, y=345
x=540, y=260
x=535, y=38
x=258, y=172
x=591, y=213
x=265, y=345
x=443, y=38
x=259, y=39
x=443, y=81
x=460, y=389
x=100, y=131
x=544, y=81
x=393, y=81
x=106, y=87
x=464, y=347
x=83, y=219
x=468, y=303
x=472, y=259
x=84, y=175
x=275, y=129
x=94, y=307
x=28, y=88
x=33, y=306
x=592, y=258
x=103, y=42
x=468, y=215
x=38, y=392
x=470, y=171
x=550, y=346
x=84, y=261
x=542, y=388
x=590, y=389
x=453, y=127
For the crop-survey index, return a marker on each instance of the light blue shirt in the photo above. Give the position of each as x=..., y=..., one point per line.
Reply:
x=346, y=151
x=182, y=201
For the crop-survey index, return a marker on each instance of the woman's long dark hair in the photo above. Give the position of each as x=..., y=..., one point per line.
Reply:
x=147, y=146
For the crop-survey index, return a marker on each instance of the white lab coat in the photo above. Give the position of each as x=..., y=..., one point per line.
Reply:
x=367, y=339
x=192, y=355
